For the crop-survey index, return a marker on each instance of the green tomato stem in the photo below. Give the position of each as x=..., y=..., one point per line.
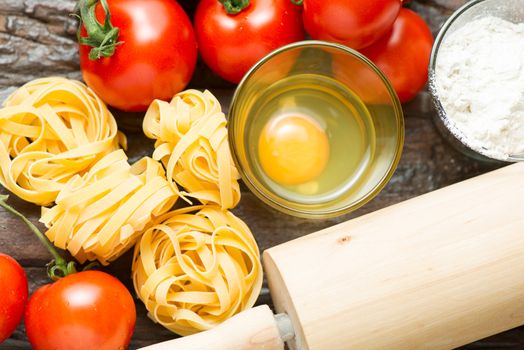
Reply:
x=103, y=38
x=234, y=7
x=58, y=267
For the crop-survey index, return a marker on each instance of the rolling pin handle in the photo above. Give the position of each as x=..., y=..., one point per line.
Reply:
x=253, y=329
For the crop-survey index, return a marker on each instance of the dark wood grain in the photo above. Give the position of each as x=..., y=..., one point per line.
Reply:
x=37, y=38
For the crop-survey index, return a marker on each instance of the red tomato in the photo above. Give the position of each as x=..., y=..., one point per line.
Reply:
x=354, y=23
x=13, y=295
x=156, y=59
x=403, y=54
x=231, y=44
x=83, y=311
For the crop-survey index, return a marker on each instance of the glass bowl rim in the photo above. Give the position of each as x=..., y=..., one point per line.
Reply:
x=315, y=213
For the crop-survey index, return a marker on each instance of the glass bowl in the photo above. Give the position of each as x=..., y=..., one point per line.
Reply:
x=319, y=63
x=510, y=10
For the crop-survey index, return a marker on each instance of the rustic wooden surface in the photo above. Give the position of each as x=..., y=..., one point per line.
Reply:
x=37, y=38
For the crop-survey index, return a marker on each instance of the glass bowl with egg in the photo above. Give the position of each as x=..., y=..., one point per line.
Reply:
x=316, y=129
x=476, y=79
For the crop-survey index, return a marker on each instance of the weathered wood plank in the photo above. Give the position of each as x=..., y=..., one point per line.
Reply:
x=37, y=38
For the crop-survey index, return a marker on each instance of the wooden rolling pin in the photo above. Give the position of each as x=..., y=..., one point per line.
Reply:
x=434, y=272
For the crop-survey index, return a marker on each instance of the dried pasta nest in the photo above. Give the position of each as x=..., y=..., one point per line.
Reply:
x=100, y=215
x=193, y=267
x=191, y=142
x=193, y=271
x=52, y=129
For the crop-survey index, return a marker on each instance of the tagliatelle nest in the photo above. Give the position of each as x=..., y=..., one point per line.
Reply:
x=52, y=129
x=102, y=214
x=191, y=142
x=194, y=271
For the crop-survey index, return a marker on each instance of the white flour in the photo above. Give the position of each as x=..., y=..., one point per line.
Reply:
x=480, y=83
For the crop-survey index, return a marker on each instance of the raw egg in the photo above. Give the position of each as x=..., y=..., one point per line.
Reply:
x=293, y=149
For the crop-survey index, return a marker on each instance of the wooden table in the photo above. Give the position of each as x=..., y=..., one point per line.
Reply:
x=37, y=38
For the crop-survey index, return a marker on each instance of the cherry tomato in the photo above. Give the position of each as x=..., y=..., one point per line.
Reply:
x=231, y=44
x=354, y=23
x=13, y=295
x=83, y=311
x=403, y=54
x=155, y=59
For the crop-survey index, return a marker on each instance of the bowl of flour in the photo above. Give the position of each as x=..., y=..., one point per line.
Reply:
x=476, y=79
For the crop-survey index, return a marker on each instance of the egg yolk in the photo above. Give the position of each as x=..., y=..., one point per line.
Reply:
x=293, y=149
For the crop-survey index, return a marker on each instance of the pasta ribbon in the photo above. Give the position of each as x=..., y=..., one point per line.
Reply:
x=194, y=271
x=191, y=142
x=52, y=129
x=100, y=215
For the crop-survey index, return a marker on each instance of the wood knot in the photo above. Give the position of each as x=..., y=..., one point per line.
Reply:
x=344, y=239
